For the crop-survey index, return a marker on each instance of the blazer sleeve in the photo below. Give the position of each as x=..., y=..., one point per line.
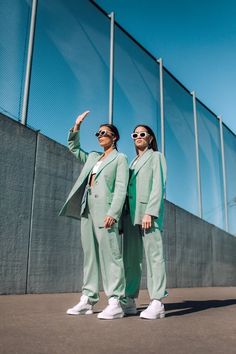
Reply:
x=158, y=185
x=120, y=190
x=74, y=146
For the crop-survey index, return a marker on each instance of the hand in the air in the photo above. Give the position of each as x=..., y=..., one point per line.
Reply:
x=80, y=119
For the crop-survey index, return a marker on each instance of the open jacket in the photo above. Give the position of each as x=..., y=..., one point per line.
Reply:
x=110, y=184
x=146, y=187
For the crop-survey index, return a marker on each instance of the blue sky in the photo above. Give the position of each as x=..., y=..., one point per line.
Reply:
x=70, y=74
x=197, y=41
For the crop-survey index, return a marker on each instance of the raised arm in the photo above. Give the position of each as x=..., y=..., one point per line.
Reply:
x=74, y=139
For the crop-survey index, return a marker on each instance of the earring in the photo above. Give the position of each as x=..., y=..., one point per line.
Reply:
x=113, y=144
x=150, y=144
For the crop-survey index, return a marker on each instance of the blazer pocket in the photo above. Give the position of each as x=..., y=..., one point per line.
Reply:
x=143, y=199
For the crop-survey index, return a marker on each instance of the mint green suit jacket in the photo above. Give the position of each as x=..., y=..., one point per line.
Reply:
x=146, y=188
x=110, y=184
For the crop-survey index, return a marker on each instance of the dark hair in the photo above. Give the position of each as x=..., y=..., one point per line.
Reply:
x=153, y=145
x=114, y=130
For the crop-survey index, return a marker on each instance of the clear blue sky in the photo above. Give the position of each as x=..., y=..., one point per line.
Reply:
x=197, y=41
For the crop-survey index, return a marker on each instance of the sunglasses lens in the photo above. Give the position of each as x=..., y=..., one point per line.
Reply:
x=134, y=135
x=142, y=135
x=100, y=133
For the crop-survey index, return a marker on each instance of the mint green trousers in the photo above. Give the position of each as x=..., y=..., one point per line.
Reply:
x=102, y=252
x=134, y=240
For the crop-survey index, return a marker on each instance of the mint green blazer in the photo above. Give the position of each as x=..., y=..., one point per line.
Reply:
x=110, y=184
x=146, y=188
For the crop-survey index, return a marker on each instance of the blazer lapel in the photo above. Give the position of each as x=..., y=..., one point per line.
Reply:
x=91, y=165
x=84, y=174
x=109, y=158
x=143, y=159
x=131, y=163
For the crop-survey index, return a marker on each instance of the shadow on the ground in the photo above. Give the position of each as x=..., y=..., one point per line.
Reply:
x=188, y=306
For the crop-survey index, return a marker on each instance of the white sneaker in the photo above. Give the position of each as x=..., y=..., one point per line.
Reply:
x=153, y=311
x=130, y=307
x=112, y=311
x=82, y=308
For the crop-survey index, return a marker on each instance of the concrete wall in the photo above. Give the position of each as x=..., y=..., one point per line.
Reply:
x=41, y=252
x=55, y=254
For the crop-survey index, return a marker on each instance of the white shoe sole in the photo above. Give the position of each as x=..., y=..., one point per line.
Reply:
x=147, y=317
x=84, y=312
x=101, y=316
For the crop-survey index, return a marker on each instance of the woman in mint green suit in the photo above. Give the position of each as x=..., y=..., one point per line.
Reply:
x=143, y=222
x=97, y=199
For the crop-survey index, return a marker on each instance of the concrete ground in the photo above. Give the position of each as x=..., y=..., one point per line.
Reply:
x=198, y=320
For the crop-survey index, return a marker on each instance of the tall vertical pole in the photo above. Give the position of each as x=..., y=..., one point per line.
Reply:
x=111, y=78
x=160, y=61
x=224, y=173
x=29, y=64
x=197, y=156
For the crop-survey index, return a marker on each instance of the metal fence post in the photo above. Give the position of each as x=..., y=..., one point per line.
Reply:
x=160, y=61
x=29, y=64
x=197, y=156
x=111, y=77
x=224, y=173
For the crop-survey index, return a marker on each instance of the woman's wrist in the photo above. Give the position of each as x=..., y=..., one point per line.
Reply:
x=76, y=127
